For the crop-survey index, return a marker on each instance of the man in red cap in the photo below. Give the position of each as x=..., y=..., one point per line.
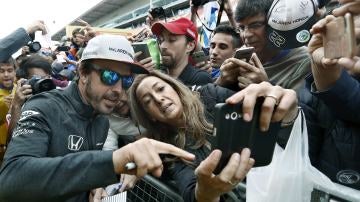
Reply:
x=177, y=40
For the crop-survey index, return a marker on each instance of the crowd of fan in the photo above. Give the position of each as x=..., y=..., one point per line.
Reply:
x=73, y=117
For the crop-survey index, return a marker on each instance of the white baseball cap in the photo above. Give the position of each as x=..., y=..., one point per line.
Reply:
x=112, y=47
x=289, y=22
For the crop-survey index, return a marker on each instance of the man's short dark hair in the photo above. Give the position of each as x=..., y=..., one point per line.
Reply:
x=10, y=61
x=229, y=30
x=85, y=67
x=249, y=8
x=34, y=61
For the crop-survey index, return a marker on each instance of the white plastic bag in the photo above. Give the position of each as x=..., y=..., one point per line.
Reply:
x=290, y=176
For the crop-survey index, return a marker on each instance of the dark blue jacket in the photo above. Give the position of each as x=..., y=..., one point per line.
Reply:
x=333, y=118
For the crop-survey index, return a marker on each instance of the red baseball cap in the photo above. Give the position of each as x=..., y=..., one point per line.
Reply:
x=181, y=26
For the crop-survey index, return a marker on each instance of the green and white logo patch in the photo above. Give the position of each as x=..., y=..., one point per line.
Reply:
x=303, y=36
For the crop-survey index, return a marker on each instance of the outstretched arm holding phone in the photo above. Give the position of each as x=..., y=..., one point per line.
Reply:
x=332, y=76
x=325, y=71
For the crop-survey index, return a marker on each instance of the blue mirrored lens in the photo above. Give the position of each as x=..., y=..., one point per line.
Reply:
x=110, y=77
x=127, y=81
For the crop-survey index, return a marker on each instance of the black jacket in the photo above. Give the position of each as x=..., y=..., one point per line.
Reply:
x=48, y=158
x=194, y=76
x=210, y=95
x=334, y=142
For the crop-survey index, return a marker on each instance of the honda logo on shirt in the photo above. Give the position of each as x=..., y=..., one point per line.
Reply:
x=75, y=142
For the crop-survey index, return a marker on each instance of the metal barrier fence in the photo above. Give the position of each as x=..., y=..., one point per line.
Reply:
x=339, y=194
x=149, y=189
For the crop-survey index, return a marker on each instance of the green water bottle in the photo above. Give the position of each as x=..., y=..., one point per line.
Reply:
x=154, y=51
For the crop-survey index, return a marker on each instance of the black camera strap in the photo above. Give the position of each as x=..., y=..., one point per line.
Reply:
x=222, y=5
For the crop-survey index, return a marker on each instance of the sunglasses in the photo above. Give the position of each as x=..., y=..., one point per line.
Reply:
x=110, y=78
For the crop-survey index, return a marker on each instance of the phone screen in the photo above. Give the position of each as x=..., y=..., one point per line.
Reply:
x=143, y=47
x=232, y=134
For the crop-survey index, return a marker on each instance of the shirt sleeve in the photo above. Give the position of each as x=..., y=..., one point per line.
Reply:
x=210, y=95
x=202, y=78
x=343, y=98
x=185, y=180
x=12, y=43
x=111, y=142
x=29, y=174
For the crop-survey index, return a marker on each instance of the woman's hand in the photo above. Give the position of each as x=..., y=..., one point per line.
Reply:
x=209, y=186
x=279, y=105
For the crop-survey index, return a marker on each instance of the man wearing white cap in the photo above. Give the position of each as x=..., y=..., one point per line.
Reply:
x=49, y=157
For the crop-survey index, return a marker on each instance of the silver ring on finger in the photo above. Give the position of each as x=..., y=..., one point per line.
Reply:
x=273, y=97
x=233, y=183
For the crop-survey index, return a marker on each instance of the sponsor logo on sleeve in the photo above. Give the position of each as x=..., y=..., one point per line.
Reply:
x=75, y=142
x=28, y=113
x=24, y=128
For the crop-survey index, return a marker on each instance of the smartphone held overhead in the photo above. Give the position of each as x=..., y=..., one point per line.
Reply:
x=339, y=38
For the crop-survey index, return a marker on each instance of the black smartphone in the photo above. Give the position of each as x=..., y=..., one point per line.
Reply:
x=200, y=56
x=244, y=53
x=143, y=47
x=63, y=48
x=232, y=134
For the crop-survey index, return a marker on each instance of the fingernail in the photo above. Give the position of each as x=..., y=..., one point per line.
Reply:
x=247, y=117
x=246, y=149
x=263, y=129
x=237, y=156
